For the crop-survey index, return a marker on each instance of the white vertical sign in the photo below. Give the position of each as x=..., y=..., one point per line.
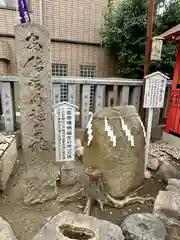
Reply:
x=157, y=45
x=153, y=98
x=64, y=122
x=155, y=90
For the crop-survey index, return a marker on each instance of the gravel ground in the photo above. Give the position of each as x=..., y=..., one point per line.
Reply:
x=27, y=221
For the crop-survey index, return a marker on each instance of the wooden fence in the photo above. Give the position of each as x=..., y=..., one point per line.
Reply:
x=89, y=94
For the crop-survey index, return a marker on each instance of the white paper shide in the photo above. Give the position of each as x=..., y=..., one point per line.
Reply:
x=127, y=132
x=89, y=131
x=143, y=128
x=110, y=133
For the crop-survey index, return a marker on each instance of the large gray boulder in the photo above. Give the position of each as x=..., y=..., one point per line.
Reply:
x=6, y=232
x=143, y=226
x=167, y=207
x=67, y=225
x=122, y=166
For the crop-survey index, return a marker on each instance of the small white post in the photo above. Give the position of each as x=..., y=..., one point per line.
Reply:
x=148, y=137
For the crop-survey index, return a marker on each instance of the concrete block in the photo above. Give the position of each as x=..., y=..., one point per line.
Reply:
x=7, y=161
x=171, y=140
x=157, y=132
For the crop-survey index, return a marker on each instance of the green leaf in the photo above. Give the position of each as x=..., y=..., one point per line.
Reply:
x=124, y=33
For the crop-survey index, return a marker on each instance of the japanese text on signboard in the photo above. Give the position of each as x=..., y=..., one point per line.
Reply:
x=64, y=132
x=154, y=92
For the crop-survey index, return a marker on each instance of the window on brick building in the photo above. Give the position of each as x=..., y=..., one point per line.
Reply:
x=2, y=2
x=89, y=71
x=59, y=70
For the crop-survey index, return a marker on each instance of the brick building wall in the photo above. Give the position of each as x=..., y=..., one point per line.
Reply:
x=74, y=27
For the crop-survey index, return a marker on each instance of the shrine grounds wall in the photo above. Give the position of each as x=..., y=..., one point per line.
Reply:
x=74, y=28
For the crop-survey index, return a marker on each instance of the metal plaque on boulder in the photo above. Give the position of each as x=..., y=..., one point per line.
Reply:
x=64, y=122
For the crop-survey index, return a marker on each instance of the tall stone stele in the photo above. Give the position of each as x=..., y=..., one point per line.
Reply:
x=114, y=144
x=34, y=70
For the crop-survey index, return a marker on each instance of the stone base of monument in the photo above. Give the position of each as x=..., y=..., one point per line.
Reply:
x=8, y=156
x=67, y=174
x=39, y=189
x=40, y=183
x=94, y=190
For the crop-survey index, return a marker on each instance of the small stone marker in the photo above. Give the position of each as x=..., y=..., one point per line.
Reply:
x=64, y=122
x=7, y=106
x=34, y=68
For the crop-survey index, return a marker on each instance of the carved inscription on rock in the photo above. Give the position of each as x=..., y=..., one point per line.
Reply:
x=37, y=115
x=33, y=53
